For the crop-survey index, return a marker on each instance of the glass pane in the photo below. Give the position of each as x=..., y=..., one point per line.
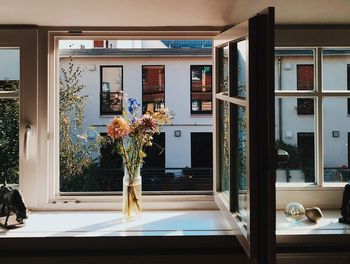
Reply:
x=201, y=87
x=242, y=58
x=294, y=69
x=111, y=100
x=295, y=140
x=336, y=69
x=153, y=88
x=223, y=69
x=9, y=140
x=336, y=135
x=225, y=156
x=9, y=69
x=93, y=72
x=241, y=162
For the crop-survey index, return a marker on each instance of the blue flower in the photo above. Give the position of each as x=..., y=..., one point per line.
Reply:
x=133, y=106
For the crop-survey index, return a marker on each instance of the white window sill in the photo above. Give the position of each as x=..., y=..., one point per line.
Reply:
x=112, y=224
x=326, y=230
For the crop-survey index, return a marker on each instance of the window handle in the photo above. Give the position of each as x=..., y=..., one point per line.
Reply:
x=27, y=132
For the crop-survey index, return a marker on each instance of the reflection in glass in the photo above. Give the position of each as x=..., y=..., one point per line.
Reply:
x=241, y=162
x=9, y=140
x=336, y=69
x=111, y=90
x=241, y=68
x=201, y=87
x=294, y=135
x=223, y=69
x=336, y=135
x=225, y=157
x=153, y=87
x=294, y=69
x=9, y=69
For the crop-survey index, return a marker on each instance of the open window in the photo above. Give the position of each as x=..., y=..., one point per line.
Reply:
x=19, y=110
x=244, y=128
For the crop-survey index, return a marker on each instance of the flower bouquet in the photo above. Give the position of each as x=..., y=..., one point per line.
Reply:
x=131, y=133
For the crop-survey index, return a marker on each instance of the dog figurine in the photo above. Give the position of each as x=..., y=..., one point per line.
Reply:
x=11, y=201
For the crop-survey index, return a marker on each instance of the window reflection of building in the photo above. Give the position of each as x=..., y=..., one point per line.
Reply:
x=201, y=89
x=153, y=87
x=111, y=102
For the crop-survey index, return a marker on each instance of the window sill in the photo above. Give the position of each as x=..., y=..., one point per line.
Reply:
x=112, y=224
x=328, y=231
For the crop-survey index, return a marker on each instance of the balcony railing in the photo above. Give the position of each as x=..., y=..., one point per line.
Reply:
x=162, y=180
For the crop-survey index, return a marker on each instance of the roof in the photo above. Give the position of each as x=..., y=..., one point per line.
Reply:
x=309, y=52
x=166, y=52
x=197, y=44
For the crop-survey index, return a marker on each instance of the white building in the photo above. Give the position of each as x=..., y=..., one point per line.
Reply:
x=295, y=117
x=183, y=80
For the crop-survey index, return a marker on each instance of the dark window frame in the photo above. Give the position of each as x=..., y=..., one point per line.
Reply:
x=201, y=112
x=142, y=80
x=102, y=111
x=305, y=106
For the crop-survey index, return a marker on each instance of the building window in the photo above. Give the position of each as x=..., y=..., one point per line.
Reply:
x=153, y=87
x=111, y=99
x=305, y=81
x=313, y=137
x=201, y=89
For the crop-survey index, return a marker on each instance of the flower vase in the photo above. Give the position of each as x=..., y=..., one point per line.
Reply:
x=132, y=192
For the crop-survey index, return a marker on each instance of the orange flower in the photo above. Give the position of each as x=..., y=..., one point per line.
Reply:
x=118, y=128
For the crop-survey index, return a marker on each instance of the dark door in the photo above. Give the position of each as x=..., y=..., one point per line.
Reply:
x=201, y=150
x=306, y=149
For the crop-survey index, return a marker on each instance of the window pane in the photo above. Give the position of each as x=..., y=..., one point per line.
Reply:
x=153, y=86
x=99, y=71
x=9, y=141
x=240, y=138
x=201, y=89
x=223, y=69
x=111, y=90
x=294, y=69
x=225, y=147
x=9, y=69
x=336, y=69
x=336, y=135
x=295, y=142
x=242, y=57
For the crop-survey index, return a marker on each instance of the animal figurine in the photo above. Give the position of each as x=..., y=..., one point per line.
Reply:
x=11, y=201
x=345, y=210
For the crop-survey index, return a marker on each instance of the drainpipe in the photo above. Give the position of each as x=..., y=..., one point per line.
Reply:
x=280, y=122
x=279, y=75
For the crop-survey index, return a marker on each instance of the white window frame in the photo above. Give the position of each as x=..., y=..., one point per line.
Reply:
x=49, y=196
x=26, y=41
x=321, y=194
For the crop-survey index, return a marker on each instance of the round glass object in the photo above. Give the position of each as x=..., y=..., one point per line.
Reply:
x=294, y=212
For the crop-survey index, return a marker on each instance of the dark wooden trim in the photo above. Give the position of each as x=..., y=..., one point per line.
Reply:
x=214, y=29
x=262, y=138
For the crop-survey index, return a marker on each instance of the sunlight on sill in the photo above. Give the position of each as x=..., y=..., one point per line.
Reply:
x=109, y=223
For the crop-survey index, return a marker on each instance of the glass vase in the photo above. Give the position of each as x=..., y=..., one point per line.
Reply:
x=132, y=192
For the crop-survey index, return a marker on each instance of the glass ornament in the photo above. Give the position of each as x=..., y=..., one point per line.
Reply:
x=294, y=212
